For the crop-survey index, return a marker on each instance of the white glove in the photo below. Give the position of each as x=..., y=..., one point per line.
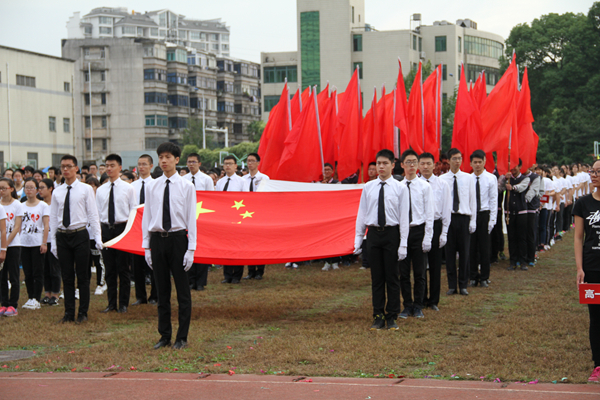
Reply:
x=148, y=257
x=472, y=228
x=54, y=251
x=443, y=240
x=426, y=246
x=490, y=227
x=402, y=253
x=188, y=260
x=357, y=250
x=99, y=245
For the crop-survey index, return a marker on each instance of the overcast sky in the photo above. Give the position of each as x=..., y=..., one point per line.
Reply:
x=266, y=25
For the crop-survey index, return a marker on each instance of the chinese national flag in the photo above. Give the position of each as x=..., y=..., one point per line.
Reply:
x=279, y=224
x=400, y=113
x=432, y=101
x=416, y=118
x=349, y=132
x=274, y=135
x=528, y=139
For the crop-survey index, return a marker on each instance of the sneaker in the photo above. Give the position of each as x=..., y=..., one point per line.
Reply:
x=53, y=301
x=35, y=305
x=335, y=266
x=93, y=270
x=595, y=376
x=326, y=267
x=405, y=313
x=418, y=313
x=2, y=310
x=524, y=268
x=11, y=312
x=362, y=267
x=100, y=290
x=288, y=265
x=378, y=323
x=62, y=295
x=392, y=325
x=45, y=300
x=294, y=265
x=502, y=256
x=77, y=294
x=27, y=304
x=132, y=284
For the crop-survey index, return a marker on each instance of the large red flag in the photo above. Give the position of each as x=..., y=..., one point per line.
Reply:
x=528, y=139
x=295, y=106
x=400, y=112
x=301, y=159
x=349, y=133
x=416, y=117
x=289, y=230
x=480, y=90
x=432, y=101
x=328, y=127
x=386, y=120
x=371, y=133
x=274, y=135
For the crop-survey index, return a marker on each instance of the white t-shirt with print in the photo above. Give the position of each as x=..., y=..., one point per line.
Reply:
x=13, y=210
x=32, y=227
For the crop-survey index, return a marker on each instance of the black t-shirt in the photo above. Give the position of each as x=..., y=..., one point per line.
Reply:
x=588, y=208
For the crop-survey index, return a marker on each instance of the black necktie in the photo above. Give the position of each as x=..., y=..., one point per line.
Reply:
x=456, y=201
x=111, y=205
x=194, y=181
x=409, y=202
x=226, y=184
x=142, y=194
x=166, y=209
x=381, y=207
x=478, y=192
x=252, y=184
x=67, y=209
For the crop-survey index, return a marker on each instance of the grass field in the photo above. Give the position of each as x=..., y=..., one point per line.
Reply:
x=525, y=326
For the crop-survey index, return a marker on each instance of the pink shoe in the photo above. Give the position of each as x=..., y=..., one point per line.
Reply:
x=2, y=310
x=11, y=312
x=595, y=376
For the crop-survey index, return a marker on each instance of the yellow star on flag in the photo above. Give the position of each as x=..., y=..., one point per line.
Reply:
x=238, y=204
x=200, y=210
x=247, y=214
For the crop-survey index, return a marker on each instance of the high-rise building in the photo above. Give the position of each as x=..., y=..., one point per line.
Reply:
x=334, y=39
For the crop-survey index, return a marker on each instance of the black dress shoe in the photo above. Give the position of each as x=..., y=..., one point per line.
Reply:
x=484, y=283
x=109, y=309
x=81, y=319
x=258, y=277
x=162, y=343
x=248, y=277
x=226, y=281
x=179, y=344
x=451, y=292
x=153, y=302
x=235, y=281
x=122, y=309
x=137, y=303
x=434, y=307
x=464, y=292
x=472, y=283
x=65, y=320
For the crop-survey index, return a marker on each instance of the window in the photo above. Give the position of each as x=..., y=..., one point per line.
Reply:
x=155, y=97
x=237, y=108
x=106, y=20
x=87, y=30
x=360, y=69
x=225, y=47
x=23, y=80
x=178, y=55
x=459, y=44
x=150, y=120
x=492, y=75
x=104, y=121
x=103, y=98
x=162, y=19
x=148, y=74
x=102, y=53
x=128, y=30
x=153, y=31
x=310, y=49
x=440, y=43
x=270, y=102
x=163, y=33
x=173, y=77
x=444, y=96
x=357, y=42
x=66, y=125
x=86, y=98
x=414, y=46
x=278, y=74
x=105, y=30
x=32, y=159
x=67, y=87
x=194, y=35
x=420, y=44
x=52, y=124
x=214, y=37
x=215, y=46
x=103, y=76
x=224, y=38
x=444, y=72
x=140, y=31
x=87, y=122
x=178, y=122
x=86, y=77
x=224, y=106
x=483, y=47
x=182, y=34
x=179, y=100
x=157, y=120
x=104, y=144
x=352, y=14
x=86, y=52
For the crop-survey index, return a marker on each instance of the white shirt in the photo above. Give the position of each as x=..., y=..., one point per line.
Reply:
x=2, y=212
x=488, y=194
x=467, y=202
x=182, y=203
x=548, y=187
x=137, y=187
x=236, y=183
x=560, y=184
x=83, y=208
x=32, y=227
x=421, y=199
x=442, y=201
x=124, y=199
x=201, y=180
x=13, y=210
x=396, y=208
x=258, y=178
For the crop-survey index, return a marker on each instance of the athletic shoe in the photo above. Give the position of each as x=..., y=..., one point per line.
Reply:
x=335, y=266
x=294, y=265
x=100, y=290
x=35, y=305
x=362, y=267
x=2, y=310
x=392, y=325
x=77, y=294
x=595, y=376
x=62, y=295
x=53, y=301
x=326, y=267
x=11, y=312
x=9, y=285
x=503, y=256
x=45, y=300
x=378, y=323
x=93, y=270
x=28, y=304
x=288, y=265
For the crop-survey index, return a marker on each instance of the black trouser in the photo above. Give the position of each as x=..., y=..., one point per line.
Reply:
x=73, y=257
x=51, y=272
x=11, y=273
x=415, y=256
x=480, y=249
x=140, y=267
x=551, y=221
x=531, y=239
x=167, y=258
x=198, y=275
x=233, y=272
x=435, y=268
x=365, y=254
x=383, y=262
x=558, y=223
x=594, y=310
x=116, y=263
x=95, y=257
x=257, y=270
x=567, y=217
x=33, y=267
x=517, y=237
x=497, y=237
x=543, y=226
x=458, y=241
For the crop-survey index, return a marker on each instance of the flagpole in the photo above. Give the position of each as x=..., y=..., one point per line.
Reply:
x=438, y=110
x=395, y=131
x=319, y=131
x=422, y=106
x=289, y=104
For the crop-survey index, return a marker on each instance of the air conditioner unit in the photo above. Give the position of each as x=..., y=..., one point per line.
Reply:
x=422, y=55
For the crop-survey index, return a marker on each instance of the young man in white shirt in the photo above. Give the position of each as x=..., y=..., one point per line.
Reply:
x=73, y=208
x=486, y=198
x=384, y=211
x=169, y=237
x=420, y=219
x=140, y=267
x=251, y=182
x=198, y=274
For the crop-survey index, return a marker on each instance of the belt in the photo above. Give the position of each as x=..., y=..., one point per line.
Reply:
x=109, y=226
x=70, y=231
x=168, y=234
x=381, y=229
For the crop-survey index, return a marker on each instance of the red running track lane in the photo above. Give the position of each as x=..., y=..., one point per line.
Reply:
x=174, y=386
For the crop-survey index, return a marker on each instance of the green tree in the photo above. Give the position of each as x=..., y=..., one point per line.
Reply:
x=193, y=135
x=255, y=130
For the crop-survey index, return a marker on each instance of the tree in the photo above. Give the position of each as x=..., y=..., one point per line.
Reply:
x=193, y=135
x=255, y=130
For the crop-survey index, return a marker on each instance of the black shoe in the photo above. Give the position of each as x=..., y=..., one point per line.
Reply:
x=53, y=301
x=511, y=268
x=45, y=300
x=407, y=312
x=65, y=320
x=451, y=292
x=494, y=261
x=200, y=288
x=484, y=283
x=122, y=309
x=248, y=277
x=153, y=302
x=524, y=268
x=472, y=283
x=192, y=287
x=378, y=323
x=109, y=309
x=226, y=281
x=418, y=313
x=235, y=281
x=258, y=277
x=434, y=307
x=162, y=343
x=464, y=292
x=391, y=324
x=81, y=319
x=179, y=344
x=137, y=303
x=148, y=281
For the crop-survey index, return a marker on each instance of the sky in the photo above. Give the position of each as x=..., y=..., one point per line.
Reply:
x=266, y=25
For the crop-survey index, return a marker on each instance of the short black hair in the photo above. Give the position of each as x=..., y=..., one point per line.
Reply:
x=103, y=178
x=409, y=152
x=37, y=185
x=453, y=151
x=85, y=167
x=168, y=147
x=49, y=183
x=194, y=155
x=112, y=157
x=129, y=175
x=328, y=165
x=186, y=169
x=68, y=157
x=92, y=181
x=93, y=163
x=424, y=156
x=373, y=163
x=28, y=168
x=37, y=171
x=229, y=157
x=255, y=155
x=478, y=154
x=148, y=157
x=387, y=154
x=52, y=169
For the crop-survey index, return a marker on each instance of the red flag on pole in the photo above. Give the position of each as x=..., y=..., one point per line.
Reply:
x=371, y=133
x=528, y=139
x=276, y=131
x=416, y=116
x=328, y=127
x=349, y=133
x=432, y=100
x=401, y=110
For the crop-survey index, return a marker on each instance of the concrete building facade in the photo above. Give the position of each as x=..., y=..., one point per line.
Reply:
x=36, y=92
